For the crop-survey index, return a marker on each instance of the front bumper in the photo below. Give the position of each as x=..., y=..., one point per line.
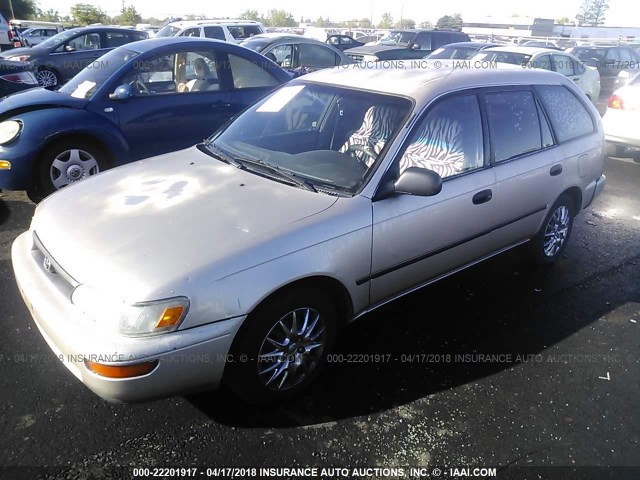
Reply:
x=188, y=360
x=22, y=155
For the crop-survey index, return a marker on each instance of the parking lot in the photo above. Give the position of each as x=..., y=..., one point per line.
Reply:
x=498, y=366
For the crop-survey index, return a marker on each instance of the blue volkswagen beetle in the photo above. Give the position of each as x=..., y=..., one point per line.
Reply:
x=142, y=99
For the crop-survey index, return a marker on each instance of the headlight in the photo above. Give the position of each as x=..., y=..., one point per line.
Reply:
x=19, y=58
x=139, y=319
x=9, y=130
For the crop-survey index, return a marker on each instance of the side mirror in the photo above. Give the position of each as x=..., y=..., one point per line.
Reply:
x=415, y=46
x=123, y=92
x=69, y=48
x=418, y=181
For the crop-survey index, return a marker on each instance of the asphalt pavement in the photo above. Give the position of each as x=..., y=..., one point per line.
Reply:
x=499, y=365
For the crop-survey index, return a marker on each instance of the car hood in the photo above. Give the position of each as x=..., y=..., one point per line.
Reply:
x=14, y=52
x=36, y=99
x=143, y=231
x=373, y=49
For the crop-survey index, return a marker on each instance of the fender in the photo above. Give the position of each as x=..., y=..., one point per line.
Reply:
x=39, y=128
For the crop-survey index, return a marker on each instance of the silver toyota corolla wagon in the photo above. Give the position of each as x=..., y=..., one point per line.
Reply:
x=237, y=260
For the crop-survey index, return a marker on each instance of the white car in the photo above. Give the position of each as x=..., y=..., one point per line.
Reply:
x=233, y=31
x=622, y=118
x=585, y=77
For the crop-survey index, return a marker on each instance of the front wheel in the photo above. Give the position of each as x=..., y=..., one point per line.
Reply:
x=47, y=77
x=65, y=163
x=282, y=347
x=550, y=242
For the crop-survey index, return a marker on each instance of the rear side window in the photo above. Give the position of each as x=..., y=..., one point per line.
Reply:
x=247, y=74
x=316, y=56
x=569, y=117
x=116, y=39
x=513, y=124
x=190, y=32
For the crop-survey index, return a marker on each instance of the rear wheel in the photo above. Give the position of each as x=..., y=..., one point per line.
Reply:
x=64, y=163
x=549, y=243
x=282, y=346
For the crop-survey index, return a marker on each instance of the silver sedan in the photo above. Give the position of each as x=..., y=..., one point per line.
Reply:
x=237, y=260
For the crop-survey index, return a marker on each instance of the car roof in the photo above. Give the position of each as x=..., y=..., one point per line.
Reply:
x=142, y=46
x=230, y=21
x=524, y=50
x=468, y=44
x=416, y=82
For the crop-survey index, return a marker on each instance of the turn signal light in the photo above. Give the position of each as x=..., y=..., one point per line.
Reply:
x=170, y=316
x=121, y=371
x=5, y=165
x=616, y=102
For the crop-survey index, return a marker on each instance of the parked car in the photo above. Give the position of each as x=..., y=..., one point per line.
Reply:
x=541, y=44
x=343, y=42
x=62, y=56
x=406, y=44
x=147, y=98
x=6, y=36
x=341, y=191
x=15, y=76
x=625, y=77
x=35, y=36
x=233, y=31
x=459, y=50
x=610, y=61
x=295, y=52
x=587, y=78
x=622, y=118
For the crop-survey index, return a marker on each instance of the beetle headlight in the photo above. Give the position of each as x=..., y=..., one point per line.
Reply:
x=139, y=319
x=9, y=130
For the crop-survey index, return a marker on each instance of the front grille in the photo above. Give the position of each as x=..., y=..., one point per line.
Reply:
x=61, y=279
x=358, y=57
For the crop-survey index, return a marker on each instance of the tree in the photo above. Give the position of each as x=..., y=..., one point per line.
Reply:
x=251, y=15
x=86, y=14
x=450, y=21
x=406, y=23
x=563, y=20
x=592, y=12
x=21, y=9
x=387, y=21
x=280, y=18
x=426, y=24
x=50, y=15
x=129, y=16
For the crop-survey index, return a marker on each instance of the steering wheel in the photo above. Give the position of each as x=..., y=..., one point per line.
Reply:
x=142, y=88
x=364, y=149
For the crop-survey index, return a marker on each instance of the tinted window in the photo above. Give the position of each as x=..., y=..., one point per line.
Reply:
x=316, y=56
x=214, y=32
x=135, y=36
x=448, y=140
x=115, y=39
x=543, y=62
x=513, y=124
x=440, y=39
x=569, y=117
x=423, y=39
x=240, y=32
x=247, y=74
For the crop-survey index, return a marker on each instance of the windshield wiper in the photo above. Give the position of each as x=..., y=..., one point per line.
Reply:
x=290, y=176
x=220, y=155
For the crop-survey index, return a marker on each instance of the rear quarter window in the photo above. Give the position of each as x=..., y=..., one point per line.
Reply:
x=569, y=117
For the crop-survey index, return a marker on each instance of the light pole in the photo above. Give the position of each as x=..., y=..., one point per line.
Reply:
x=13, y=16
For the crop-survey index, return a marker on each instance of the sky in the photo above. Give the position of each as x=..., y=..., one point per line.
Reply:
x=621, y=12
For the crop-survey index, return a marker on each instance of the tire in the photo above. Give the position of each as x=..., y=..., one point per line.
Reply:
x=262, y=372
x=550, y=242
x=48, y=77
x=66, y=162
x=612, y=150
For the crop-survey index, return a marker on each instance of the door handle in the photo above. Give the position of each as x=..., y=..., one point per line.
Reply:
x=482, y=197
x=555, y=170
x=221, y=105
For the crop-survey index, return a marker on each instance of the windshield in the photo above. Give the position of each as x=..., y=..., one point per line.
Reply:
x=503, y=57
x=398, y=38
x=85, y=84
x=167, y=31
x=59, y=38
x=256, y=44
x=329, y=137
